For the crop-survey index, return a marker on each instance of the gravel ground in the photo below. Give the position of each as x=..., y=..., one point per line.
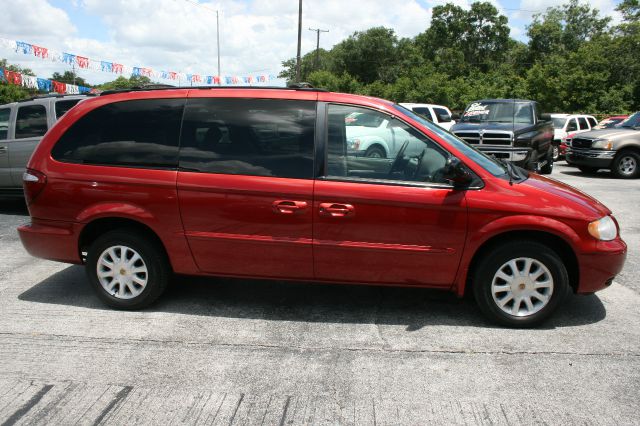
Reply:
x=223, y=351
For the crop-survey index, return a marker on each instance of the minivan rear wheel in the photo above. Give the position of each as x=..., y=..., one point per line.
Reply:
x=126, y=270
x=520, y=284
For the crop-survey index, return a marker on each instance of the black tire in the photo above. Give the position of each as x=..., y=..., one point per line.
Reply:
x=626, y=165
x=588, y=169
x=496, y=260
x=158, y=271
x=547, y=169
x=375, y=152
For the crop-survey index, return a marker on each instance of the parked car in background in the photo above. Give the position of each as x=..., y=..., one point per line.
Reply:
x=564, y=145
x=612, y=121
x=563, y=124
x=514, y=130
x=617, y=149
x=372, y=135
x=138, y=185
x=22, y=125
x=439, y=114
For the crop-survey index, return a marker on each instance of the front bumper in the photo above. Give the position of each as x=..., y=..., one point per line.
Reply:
x=51, y=240
x=519, y=156
x=598, y=269
x=590, y=157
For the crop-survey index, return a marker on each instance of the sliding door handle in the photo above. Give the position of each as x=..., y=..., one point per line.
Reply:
x=336, y=210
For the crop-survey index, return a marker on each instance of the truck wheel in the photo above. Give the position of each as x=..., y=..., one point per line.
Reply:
x=556, y=152
x=547, y=169
x=520, y=284
x=626, y=165
x=375, y=152
x=126, y=270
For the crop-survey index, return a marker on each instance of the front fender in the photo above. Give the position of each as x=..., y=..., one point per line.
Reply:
x=515, y=223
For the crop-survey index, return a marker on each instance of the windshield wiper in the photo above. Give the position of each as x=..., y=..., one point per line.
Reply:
x=511, y=171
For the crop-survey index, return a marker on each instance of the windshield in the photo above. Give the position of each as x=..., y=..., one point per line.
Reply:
x=490, y=164
x=558, y=122
x=488, y=112
x=633, y=121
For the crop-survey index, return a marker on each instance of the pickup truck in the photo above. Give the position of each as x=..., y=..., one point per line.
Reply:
x=22, y=126
x=511, y=129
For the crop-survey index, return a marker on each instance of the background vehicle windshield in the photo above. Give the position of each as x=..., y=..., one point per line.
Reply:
x=488, y=163
x=633, y=121
x=558, y=122
x=488, y=112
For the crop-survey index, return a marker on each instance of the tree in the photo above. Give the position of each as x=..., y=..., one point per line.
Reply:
x=125, y=83
x=11, y=92
x=69, y=78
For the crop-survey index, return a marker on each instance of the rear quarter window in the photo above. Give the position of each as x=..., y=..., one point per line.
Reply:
x=139, y=133
x=4, y=123
x=63, y=106
x=31, y=121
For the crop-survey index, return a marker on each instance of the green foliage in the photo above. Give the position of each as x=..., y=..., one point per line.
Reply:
x=12, y=93
x=574, y=60
x=69, y=78
x=125, y=83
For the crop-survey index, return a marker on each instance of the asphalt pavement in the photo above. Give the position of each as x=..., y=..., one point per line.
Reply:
x=227, y=351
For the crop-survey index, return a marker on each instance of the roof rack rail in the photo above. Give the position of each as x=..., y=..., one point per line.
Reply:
x=168, y=87
x=55, y=95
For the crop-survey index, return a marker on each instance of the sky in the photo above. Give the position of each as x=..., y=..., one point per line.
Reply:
x=180, y=35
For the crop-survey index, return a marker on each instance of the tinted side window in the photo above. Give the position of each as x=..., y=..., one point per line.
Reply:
x=31, y=121
x=4, y=123
x=583, y=123
x=423, y=111
x=572, y=126
x=395, y=153
x=257, y=137
x=63, y=106
x=141, y=133
x=441, y=112
x=592, y=121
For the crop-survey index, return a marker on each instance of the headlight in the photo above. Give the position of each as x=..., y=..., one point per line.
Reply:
x=603, y=229
x=602, y=144
x=353, y=143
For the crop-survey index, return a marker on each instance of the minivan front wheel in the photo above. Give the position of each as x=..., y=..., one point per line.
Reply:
x=520, y=284
x=126, y=270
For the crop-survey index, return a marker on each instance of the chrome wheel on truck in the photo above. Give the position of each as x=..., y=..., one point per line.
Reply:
x=626, y=165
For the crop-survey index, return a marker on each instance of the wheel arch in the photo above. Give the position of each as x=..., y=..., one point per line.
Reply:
x=378, y=143
x=99, y=226
x=558, y=244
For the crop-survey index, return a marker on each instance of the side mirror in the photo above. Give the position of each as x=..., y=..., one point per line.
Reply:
x=455, y=116
x=444, y=118
x=545, y=117
x=457, y=173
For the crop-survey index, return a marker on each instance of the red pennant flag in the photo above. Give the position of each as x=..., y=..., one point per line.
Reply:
x=13, y=77
x=40, y=52
x=216, y=79
x=117, y=68
x=82, y=62
x=59, y=87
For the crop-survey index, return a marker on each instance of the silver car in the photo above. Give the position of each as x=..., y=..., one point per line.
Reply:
x=22, y=125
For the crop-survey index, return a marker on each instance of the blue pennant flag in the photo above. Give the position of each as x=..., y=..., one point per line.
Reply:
x=106, y=66
x=68, y=58
x=22, y=47
x=44, y=84
x=2, y=79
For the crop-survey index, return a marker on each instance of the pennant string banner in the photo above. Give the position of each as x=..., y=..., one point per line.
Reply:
x=42, y=84
x=114, y=68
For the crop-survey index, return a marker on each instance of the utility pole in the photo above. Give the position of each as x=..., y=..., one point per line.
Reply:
x=218, y=38
x=299, y=40
x=318, y=31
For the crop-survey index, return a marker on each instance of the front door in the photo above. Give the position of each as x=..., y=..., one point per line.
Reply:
x=246, y=184
x=386, y=220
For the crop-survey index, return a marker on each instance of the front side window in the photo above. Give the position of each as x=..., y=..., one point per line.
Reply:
x=31, y=121
x=423, y=111
x=592, y=121
x=4, y=123
x=140, y=133
x=256, y=137
x=396, y=152
x=572, y=126
x=442, y=114
x=583, y=123
x=63, y=106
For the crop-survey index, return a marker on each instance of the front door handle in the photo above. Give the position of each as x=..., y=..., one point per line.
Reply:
x=3, y=150
x=336, y=210
x=289, y=207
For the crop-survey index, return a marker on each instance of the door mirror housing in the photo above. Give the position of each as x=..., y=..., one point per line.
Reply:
x=455, y=116
x=545, y=117
x=456, y=172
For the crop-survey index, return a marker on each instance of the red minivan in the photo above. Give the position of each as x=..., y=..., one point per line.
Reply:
x=267, y=182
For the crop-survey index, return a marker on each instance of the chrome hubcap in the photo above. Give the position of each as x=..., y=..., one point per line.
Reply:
x=627, y=165
x=522, y=286
x=122, y=272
